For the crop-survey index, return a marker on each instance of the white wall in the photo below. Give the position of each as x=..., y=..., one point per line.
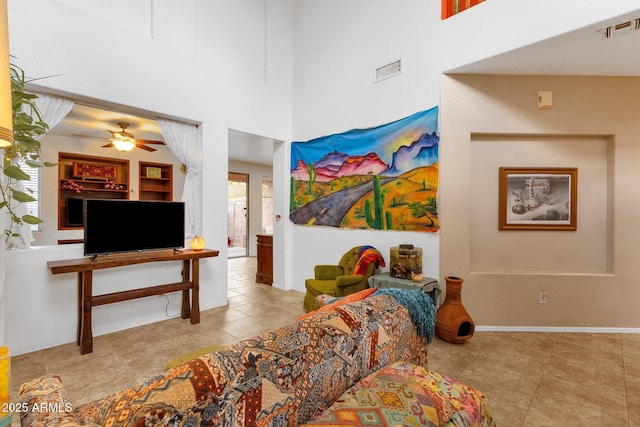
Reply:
x=337, y=47
x=222, y=64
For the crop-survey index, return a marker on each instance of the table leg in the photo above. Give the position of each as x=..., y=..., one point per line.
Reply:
x=435, y=294
x=195, y=292
x=186, y=311
x=86, y=339
x=80, y=301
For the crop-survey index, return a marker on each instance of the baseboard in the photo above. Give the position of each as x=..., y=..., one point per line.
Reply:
x=570, y=329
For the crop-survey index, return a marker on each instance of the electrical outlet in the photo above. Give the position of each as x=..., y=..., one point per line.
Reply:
x=542, y=297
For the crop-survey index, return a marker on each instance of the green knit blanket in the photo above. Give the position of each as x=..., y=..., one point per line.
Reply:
x=420, y=306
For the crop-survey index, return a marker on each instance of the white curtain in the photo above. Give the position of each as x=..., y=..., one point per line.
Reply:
x=181, y=138
x=53, y=109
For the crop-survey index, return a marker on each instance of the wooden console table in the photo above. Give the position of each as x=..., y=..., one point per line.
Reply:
x=86, y=300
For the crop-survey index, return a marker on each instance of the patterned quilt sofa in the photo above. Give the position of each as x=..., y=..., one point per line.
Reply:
x=285, y=377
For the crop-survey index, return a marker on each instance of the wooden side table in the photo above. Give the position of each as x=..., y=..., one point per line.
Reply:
x=428, y=285
x=190, y=261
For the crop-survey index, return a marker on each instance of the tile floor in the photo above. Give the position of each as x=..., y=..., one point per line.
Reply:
x=531, y=379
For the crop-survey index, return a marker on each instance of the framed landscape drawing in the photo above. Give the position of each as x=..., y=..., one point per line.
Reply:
x=538, y=198
x=153, y=172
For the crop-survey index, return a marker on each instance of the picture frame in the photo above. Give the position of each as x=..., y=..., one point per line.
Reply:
x=533, y=198
x=153, y=172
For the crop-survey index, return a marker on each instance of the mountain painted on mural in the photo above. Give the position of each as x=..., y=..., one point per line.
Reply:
x=336, y=165
x=422, y=152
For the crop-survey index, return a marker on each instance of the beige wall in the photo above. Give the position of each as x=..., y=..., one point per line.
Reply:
x=590, y=275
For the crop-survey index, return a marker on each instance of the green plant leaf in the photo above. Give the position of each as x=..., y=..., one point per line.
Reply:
x=22, y=197
x=42, y=124
x=28, y=126
x=13, y=171
x=33, y=163
x=50, y=164
x=30, y=219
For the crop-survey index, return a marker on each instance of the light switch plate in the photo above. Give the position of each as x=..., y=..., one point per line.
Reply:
x=545, y=99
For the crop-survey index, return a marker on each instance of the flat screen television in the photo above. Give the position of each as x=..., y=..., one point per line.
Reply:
x=115, y=226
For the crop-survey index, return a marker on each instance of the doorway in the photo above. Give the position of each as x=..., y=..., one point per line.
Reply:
x=237, y=214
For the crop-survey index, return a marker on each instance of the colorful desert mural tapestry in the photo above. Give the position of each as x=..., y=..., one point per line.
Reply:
x=382, y=178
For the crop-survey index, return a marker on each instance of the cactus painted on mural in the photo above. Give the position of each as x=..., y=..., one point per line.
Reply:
x=372, y=222
x=376, y=220
x=312, y=177
x=292, y=195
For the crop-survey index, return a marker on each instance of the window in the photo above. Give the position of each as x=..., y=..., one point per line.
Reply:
x=267, y=205
x=32, y=187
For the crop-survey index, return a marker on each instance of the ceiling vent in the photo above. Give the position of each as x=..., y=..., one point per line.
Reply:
x=392, y=69
x=621, y=28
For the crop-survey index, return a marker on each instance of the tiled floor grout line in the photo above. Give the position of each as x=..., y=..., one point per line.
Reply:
x=542, y=372
x=528, y=412
x=471, y=361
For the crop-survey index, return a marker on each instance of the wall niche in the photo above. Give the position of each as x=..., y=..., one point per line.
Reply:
x=88, y=177
x=542, y=251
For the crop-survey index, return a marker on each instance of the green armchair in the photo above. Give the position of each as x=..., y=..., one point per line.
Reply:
x=340, y=280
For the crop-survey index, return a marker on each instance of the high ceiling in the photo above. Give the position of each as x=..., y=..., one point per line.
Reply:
x=585, y=51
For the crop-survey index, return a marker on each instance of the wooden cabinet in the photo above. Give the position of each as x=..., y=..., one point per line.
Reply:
x=265, y=259
x=88, y=177
x=156, y=181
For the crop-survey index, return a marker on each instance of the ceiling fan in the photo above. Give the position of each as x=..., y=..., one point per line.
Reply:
x=125, y=141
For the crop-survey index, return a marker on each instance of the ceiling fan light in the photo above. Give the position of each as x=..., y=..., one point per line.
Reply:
x=123, y=144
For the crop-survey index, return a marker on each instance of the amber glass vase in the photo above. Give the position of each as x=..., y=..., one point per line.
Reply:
x=453, y=323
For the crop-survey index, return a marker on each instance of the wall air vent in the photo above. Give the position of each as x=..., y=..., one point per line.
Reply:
x=392, y=69
x=621, y=28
